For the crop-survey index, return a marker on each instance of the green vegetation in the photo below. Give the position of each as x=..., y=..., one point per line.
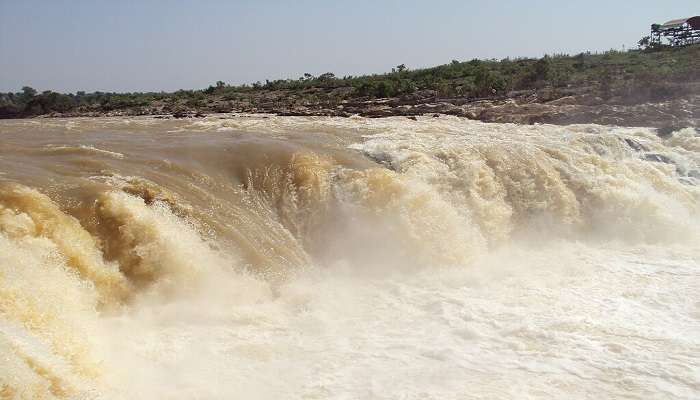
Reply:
x=635, y=74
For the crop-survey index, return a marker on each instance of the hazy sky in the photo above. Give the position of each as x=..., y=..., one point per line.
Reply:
x=166, y=45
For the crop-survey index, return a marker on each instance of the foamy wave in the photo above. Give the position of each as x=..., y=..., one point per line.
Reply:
x=81, y=149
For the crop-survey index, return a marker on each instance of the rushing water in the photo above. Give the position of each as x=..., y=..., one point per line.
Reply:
x=312, y=258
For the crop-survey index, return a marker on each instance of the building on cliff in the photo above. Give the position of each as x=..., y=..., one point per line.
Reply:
x=677, y=32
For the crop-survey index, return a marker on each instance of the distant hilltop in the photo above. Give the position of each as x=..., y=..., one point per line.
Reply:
x=657, y=85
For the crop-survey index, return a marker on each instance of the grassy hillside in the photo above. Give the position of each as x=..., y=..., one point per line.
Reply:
x=631, y=76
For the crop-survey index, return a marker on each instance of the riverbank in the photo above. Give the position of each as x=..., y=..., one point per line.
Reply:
x=670, y=114
x=634, y=88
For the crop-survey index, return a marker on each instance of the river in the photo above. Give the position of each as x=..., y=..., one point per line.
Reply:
x=263, y=257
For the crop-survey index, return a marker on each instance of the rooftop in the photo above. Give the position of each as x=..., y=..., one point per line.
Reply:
x=694, y=23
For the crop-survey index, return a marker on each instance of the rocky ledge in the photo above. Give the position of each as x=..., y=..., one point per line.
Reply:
x=669, y=114
x=523, y=108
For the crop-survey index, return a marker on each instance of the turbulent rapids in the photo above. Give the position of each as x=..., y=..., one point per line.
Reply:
x=272, y=257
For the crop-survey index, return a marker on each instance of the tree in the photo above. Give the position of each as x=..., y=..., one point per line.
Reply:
x=542, y=68
x=401, y=68
x=28, y=91
x=579, y=62
x=220, y=84
x=644, y=42
x=27, y=94
x=385, y=88
x=487, y=83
